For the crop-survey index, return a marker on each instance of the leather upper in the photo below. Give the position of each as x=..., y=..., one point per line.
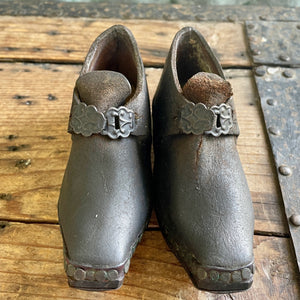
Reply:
x=202, y=200
x=104, y=203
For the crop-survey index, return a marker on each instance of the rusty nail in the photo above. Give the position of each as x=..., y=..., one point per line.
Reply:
x=274, y=131
x=23, y=163
x=295, y=220
x=285, y=170
x=271, y=102
x=284, y=57
x=260, y=71
x=288, y=73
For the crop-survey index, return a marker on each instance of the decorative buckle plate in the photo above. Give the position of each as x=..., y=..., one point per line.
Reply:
x=116, y=122
x=198, y=119
x=223, y=121
x=120, y=122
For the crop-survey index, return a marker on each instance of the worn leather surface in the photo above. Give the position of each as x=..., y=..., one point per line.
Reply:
x=202, y=200
x=104, y=202
x=188, y=55
x=103, y=89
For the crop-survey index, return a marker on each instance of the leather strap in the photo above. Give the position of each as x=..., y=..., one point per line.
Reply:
x=217, y=120
x=115, y=122
x=185, y=117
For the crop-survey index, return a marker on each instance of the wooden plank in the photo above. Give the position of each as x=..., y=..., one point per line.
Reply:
x=68, y=39
x=163, y=10
x=29, y=189
x=32, y=268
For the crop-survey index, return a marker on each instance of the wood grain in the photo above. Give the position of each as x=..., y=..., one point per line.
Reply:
x=34, y=148
x=68, y=39
x=32, y=268
x=36, y=134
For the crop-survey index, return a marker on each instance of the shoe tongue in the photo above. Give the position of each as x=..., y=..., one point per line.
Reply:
x=207, y=88
x=103, y=89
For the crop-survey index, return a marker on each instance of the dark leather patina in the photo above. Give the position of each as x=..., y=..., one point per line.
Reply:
x=202, y=199
x=104, y=204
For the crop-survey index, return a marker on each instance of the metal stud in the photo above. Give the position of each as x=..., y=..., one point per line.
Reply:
x=285, y=170
x=274, y=131
x=284, y=57
x=101, y=275
x=201, y=273
x=295, y=219
x=271, y=102
x=90, y=275
x=255, y=51
x=70, y=270
x=79, y=274
x=236, y=276
x=246, y=273
x=260, y=71
x=214, y=275
x=112, y=275
x=288, y=73
x=225, y=277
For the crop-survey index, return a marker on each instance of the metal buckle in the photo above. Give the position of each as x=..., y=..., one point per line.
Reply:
x=120, y=122
x=198, y=119
x=223, y=120
x=115, y=123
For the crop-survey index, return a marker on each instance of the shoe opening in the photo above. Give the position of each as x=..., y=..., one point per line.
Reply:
x=193, y=56
x=116, y=52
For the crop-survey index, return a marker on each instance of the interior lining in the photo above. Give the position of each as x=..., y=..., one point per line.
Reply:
x=117, y=54
x=192, y=58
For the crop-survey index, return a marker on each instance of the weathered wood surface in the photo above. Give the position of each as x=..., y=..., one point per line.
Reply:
x=35, y=105
x=159, y=11
x=31, y=268
x=35, y=102
x=68, y=39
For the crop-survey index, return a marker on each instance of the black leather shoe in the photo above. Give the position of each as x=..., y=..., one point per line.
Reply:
x=104, y=203
x=202, y=199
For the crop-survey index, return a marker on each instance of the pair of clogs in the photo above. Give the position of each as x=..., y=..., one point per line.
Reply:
x=199, y=189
